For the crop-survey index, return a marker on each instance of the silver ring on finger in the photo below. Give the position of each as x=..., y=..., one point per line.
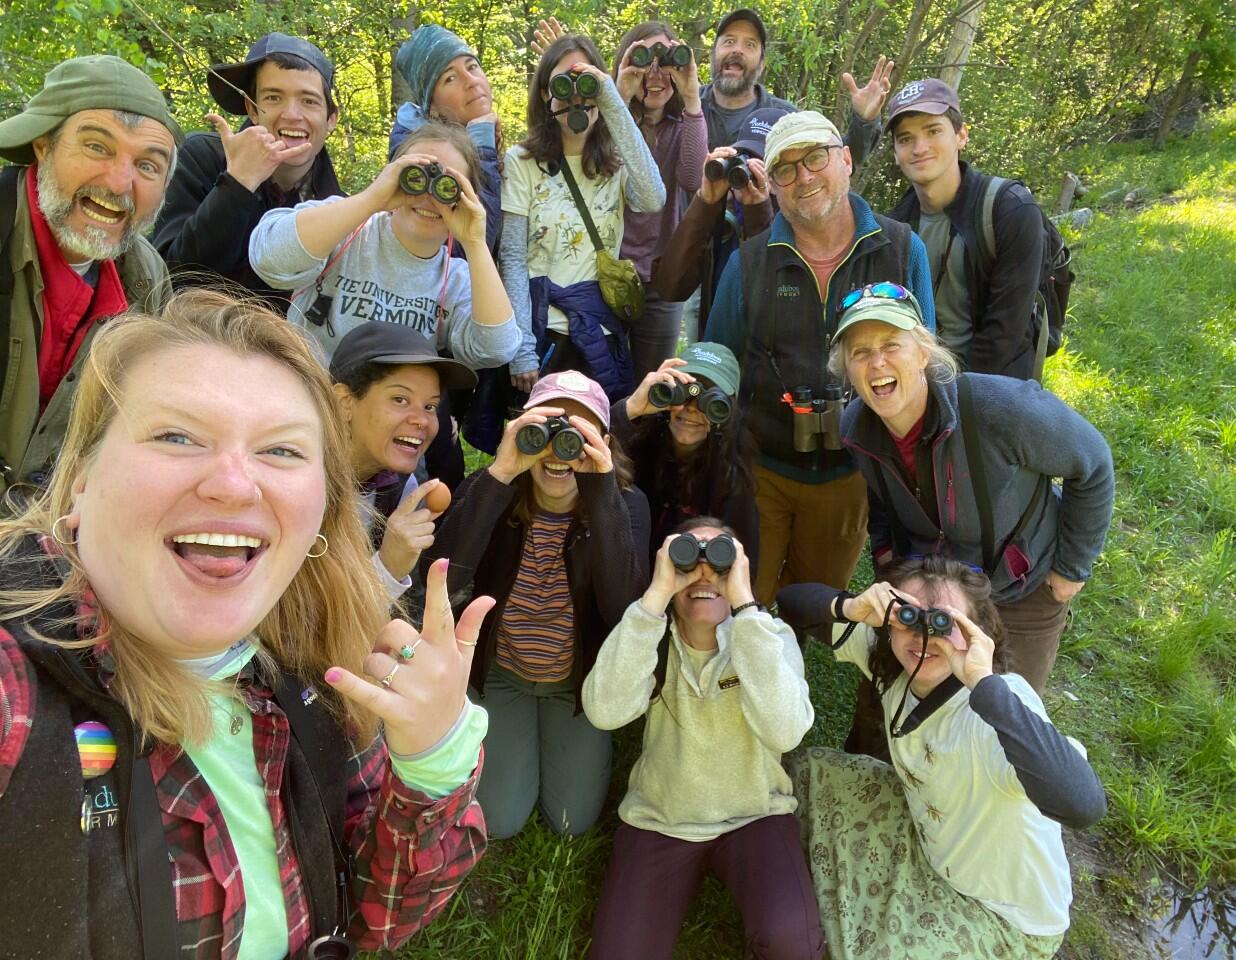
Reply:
x=387, y=680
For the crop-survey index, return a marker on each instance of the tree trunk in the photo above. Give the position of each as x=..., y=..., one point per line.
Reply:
x=958, y=53
x=909, y=47
x=1182, y=88
x=401, y=29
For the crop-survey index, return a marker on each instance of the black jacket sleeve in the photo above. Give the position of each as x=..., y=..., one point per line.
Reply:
x=1003, y=341
x=208, y=216
x=805, y=606
x=619, y=526
x=1056, y=777
x=464, y=534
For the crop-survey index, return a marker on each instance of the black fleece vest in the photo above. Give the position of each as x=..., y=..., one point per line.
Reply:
x=791, y=329
x=66, y=894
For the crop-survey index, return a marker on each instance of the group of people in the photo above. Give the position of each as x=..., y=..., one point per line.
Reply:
x=272, y=669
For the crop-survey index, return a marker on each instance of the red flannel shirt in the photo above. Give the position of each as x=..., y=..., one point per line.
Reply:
x=409, y=852
x=70, y=305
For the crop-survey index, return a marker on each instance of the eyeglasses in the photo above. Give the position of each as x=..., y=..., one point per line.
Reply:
x=885, y=290
x=783, y=174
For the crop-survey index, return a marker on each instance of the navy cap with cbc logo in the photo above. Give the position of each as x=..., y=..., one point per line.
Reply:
x=922, y=96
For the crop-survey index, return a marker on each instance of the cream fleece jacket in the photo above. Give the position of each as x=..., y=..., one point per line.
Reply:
x=711, y=759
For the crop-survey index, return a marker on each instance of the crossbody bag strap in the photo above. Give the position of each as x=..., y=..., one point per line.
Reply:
x=982, y=492
x=580, y=205
x=978, y=472
x=901, y=542
x=8, y=216
x=147, y=849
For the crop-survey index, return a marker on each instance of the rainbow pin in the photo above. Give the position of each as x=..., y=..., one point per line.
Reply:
x=97, y=747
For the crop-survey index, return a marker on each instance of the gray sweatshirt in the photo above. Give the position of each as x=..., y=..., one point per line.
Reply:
x=711, y=760
x=376, y=278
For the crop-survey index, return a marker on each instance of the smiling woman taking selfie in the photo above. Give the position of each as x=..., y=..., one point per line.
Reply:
x=188, y=611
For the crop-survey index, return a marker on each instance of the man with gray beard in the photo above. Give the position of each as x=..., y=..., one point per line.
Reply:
x=777, y=307
x=93, y=152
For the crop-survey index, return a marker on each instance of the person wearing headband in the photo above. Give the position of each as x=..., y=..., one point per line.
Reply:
x=91, y=155
x=227, y=179
x=777, y=309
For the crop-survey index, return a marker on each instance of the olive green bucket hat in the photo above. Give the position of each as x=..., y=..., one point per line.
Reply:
x=83, y=83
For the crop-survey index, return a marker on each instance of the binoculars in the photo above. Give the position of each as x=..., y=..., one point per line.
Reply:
x=678, y=56
x=939, y=623
x=562, y=86
x=331, y=948
x=686, y=552
x=816, y=417
x=566, y=442
x=734, y=169
x=713, y=402
x=429, y=178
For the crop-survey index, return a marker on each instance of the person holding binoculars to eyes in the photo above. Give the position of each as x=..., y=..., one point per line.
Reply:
x=385, y=254
x=901, y=854
x=963, y=464
x=564, y=192
x=657, y=79
x=554, y=530
x=721, y=683
x=687, y=437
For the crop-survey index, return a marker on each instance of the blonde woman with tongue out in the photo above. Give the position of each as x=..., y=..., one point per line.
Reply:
x=211, y=735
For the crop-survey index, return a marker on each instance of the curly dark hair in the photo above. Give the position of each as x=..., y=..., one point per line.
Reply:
x=544, y=140
x=936, y=572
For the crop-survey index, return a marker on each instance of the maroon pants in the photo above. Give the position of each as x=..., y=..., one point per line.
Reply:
x=652, y=880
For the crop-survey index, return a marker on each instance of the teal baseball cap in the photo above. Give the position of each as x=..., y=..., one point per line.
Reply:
x=715, y=362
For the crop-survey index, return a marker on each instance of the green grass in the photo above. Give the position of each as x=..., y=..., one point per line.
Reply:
x=1145, y=678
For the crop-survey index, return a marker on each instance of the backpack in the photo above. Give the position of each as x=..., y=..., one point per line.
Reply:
x=8, y=214
x=1055, y=272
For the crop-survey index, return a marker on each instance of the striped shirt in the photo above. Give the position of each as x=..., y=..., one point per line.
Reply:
x=536, y=638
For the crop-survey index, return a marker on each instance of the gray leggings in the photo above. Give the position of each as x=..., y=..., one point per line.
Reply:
x=538, y=752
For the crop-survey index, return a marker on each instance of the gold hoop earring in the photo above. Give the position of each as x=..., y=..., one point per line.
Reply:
x=55, y=536
x=325, y=546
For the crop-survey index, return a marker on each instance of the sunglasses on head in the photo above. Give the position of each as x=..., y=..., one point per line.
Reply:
x=885, y=290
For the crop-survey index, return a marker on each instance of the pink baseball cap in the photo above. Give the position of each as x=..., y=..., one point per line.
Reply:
x=570, y=385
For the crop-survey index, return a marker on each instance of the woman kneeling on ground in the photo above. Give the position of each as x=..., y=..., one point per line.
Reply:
x=182, y=612
x=557, y=533
x=721, y=682
x=955, y=849
x=693, y=455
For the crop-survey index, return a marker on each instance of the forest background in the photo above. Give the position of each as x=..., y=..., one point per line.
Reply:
x=1110, y=89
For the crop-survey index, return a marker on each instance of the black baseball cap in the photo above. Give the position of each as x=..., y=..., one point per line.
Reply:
x=228, y=81
x=744, y=13
x=754, y=130
x=380, y=342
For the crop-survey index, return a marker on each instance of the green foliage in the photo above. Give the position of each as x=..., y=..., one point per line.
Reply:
x=1044, y=74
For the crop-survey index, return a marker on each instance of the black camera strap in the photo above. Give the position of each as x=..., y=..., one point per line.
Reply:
x=939, y=696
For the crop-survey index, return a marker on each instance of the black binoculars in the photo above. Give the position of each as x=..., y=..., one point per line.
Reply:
x=429, y=178
x=678, y=56
x=816, y=417
x=713, y=402
x=939, y=623
x=686, y=552
x=562, y=86
x=566, y=442
x=734, y=169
